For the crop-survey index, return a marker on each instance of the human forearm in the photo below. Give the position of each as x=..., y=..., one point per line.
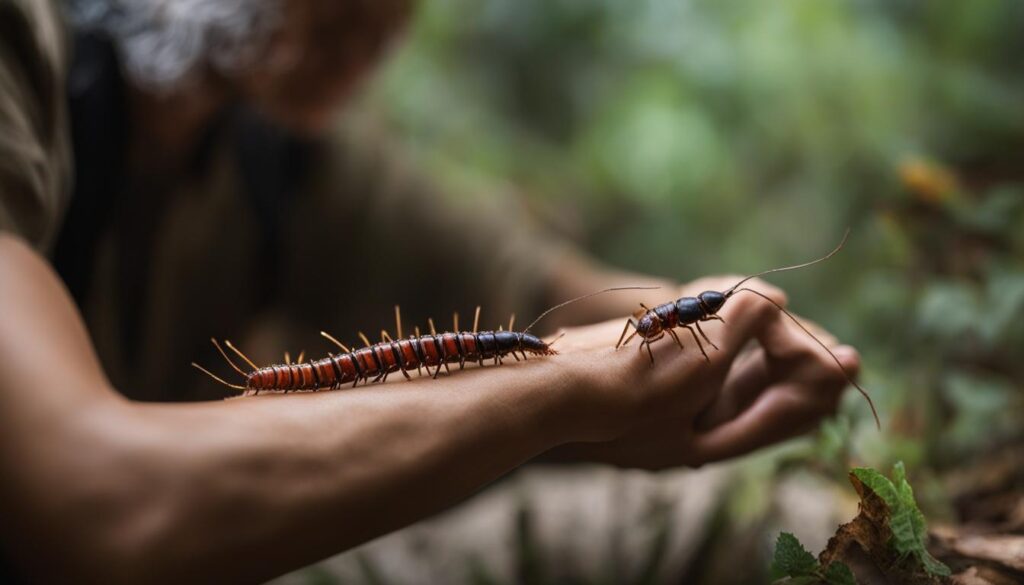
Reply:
x=241, y=489
x=302, y=476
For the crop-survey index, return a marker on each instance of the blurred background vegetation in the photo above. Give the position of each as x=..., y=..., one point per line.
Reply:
x=693, y=137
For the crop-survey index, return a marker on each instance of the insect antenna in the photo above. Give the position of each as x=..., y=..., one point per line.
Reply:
x=587, y=296
x=215, y=377
x=849, y=378
x=729, y=292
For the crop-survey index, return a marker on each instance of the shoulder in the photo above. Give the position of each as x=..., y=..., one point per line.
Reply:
x=34, y=162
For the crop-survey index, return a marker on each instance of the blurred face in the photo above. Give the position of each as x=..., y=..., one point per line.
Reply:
x=319, y=56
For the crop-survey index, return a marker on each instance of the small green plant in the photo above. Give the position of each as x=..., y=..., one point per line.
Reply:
x=889, y=530
x=909, y=533
x=800, y=567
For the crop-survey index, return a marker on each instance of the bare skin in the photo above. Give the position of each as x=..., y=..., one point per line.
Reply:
x=247, y=489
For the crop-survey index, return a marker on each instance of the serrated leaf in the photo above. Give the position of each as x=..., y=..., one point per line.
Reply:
x=879, y=484
x=906, y=521
x=791, y=558
x=839, y=574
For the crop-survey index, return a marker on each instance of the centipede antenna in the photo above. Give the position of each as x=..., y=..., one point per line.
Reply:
x=587, y=296
x=430, y=321
x=511, y=322
x=364, y=338
x=476, y=319
x=455, y=321
x=849, y=378
x=215, y=377
x=287, y=358
x=335, y=341
x=555, y=340
x=228, y=343
x=398, y=321
x=846, y=235
x=219, y=348
x=302, y=354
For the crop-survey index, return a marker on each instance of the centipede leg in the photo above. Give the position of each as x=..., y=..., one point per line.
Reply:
x=649, y=352
x=695, y=338
x=705, y=336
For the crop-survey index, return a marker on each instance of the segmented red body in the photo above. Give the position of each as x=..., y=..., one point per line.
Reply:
x=375, y=362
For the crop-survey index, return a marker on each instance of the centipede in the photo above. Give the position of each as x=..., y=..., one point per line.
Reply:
x=652, y=324
x=376, y=361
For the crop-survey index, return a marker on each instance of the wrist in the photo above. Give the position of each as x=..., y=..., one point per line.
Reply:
x=598, y=403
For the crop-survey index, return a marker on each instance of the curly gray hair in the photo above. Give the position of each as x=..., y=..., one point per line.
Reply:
x=162, y=43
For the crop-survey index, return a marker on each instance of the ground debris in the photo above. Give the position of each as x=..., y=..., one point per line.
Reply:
x=864, y=544
x=996, y=558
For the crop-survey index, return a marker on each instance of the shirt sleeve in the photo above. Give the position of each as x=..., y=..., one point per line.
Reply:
x=34, y=157
x=387, y=230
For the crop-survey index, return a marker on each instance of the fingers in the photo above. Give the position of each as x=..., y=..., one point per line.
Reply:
x=784, y=408
x=748, y=378
x=746, y=315
x=784, y=411
x=776, y=391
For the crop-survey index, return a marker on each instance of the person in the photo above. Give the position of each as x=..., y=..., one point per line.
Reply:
x=213, y=188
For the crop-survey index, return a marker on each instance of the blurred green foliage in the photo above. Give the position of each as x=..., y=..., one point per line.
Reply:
x=690, y=137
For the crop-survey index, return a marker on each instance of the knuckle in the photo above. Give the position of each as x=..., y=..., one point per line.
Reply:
x=769, y=290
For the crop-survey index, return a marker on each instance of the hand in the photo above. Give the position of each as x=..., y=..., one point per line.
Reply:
x=685, y=411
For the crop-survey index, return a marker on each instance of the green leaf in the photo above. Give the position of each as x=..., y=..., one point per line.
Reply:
x=879, y=484
x=934, y=565
x=791, y=558
x=906, y=522
x=839, y=574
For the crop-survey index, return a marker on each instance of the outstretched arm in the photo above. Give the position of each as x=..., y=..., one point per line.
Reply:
x=247, y=489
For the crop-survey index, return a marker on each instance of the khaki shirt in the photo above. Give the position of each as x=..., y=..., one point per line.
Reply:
x=366, y=232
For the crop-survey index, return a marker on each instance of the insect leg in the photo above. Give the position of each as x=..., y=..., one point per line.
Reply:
x=335, y=341
x=695, y=338
x=676, y=337
x=212, y=375
x=225, y=356
x=419, y=360
x=705, y=336
x=629, y=322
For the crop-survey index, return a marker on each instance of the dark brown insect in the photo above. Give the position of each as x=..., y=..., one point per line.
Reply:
x=375, y=362
x=688, y=312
